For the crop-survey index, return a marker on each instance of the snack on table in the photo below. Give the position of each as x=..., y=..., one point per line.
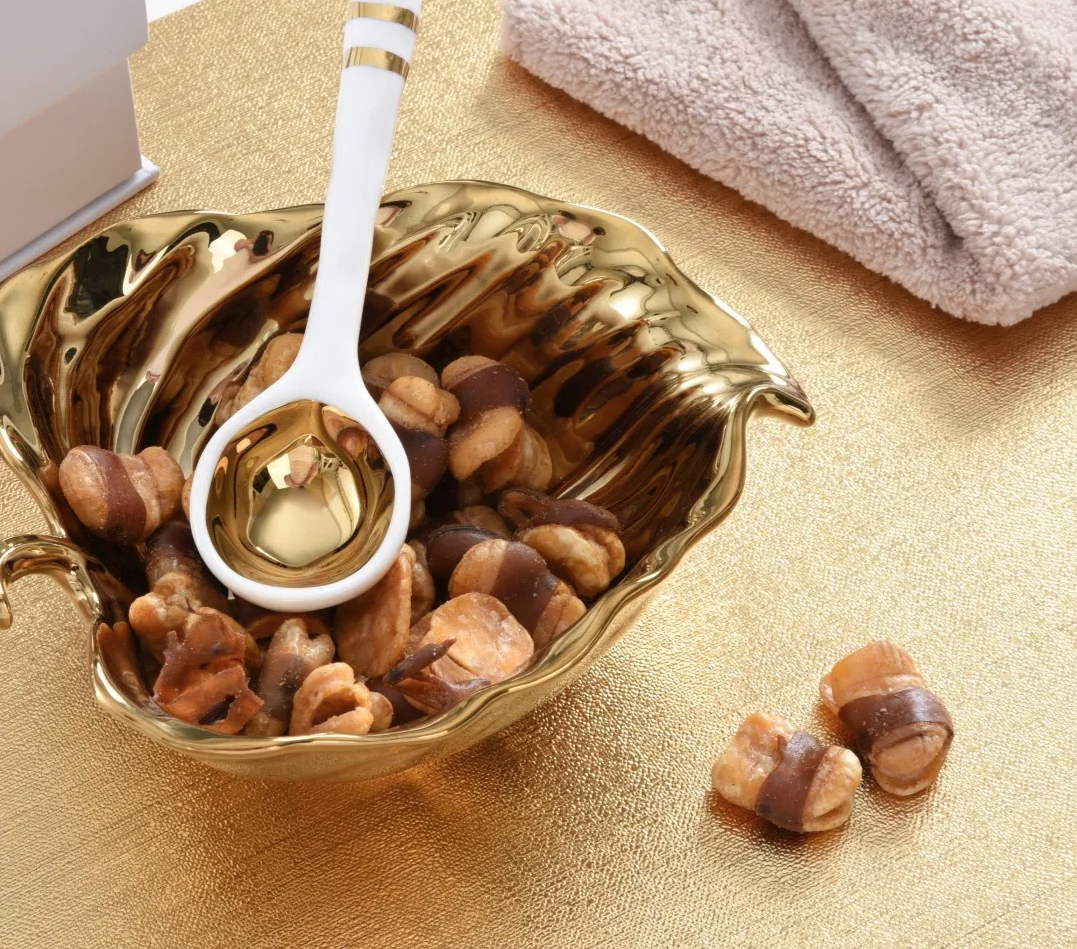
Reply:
x=463, y=606
x=787, y=776
x=900, y=727
x=124, y=498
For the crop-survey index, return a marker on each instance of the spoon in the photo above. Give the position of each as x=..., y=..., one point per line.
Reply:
x=293, y=505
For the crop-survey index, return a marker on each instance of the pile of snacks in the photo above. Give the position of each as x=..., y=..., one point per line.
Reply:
x=899, y=727
x=473, y=595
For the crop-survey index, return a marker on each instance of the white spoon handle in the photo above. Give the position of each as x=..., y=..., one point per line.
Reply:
x=379, y=41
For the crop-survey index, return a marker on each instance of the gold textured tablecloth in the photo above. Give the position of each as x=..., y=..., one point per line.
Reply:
x=934, y=502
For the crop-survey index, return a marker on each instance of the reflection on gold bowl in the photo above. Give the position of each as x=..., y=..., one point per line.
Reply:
x=642, y=384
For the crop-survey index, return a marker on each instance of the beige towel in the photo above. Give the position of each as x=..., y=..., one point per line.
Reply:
x=933, y=140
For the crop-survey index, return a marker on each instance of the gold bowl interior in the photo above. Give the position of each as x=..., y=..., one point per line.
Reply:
x=642, y=386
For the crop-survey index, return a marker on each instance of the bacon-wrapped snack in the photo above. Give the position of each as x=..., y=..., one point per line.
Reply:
x=787, y=776
x=898, y=725
x=492, y=441
x=579, y=541
x=204, y=677
x=463, y=645
x=124, y=498
x=447, y=546
x=381, y=371
x=420, y=413
x=371, y=631
x=517, y=575
x=330, y=700
x=179, y=585
x=296, y=650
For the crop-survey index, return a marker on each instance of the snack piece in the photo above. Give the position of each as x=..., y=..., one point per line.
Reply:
x=422, y=583
x=579, y=541
x=474, y=515
x=275, y=361
x=262, y=624
x=428, y=456
x=124, y=498
x=787, y=776
x=517, y=576
x=526, y=462
x=402, y=710
x=380, y=371
x=483, y=637
x=423, y=691
x=419, y=406
x=447, y=546
x=900, y=727
x=331, y=700
x=293, y=654
x=420, y=412
x=252, y=653
x=371, y=631
x=493, y=399
x=465, y=644
x=203, y=680
x=117, y=648
x=170, y=549
x=179, y=585
x=468, y=493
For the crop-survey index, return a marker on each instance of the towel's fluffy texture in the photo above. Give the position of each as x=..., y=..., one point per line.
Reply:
x=933, y=140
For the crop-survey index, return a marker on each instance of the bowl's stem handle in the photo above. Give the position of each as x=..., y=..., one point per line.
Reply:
x=78, y=573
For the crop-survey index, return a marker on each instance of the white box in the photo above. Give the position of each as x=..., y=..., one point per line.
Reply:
x=68, y=137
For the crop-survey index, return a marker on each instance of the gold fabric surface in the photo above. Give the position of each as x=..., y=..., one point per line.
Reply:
x=933, y=502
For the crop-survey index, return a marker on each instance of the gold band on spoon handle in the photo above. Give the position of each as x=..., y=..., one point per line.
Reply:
x=371, y=56
x=382, y=59
x=383, y=11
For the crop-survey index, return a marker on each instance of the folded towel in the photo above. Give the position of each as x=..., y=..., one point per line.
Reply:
x=933, y=140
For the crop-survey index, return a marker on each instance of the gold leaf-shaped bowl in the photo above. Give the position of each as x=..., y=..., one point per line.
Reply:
x=642, y=383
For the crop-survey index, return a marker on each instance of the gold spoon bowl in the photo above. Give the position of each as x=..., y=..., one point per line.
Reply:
x=642, y=385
